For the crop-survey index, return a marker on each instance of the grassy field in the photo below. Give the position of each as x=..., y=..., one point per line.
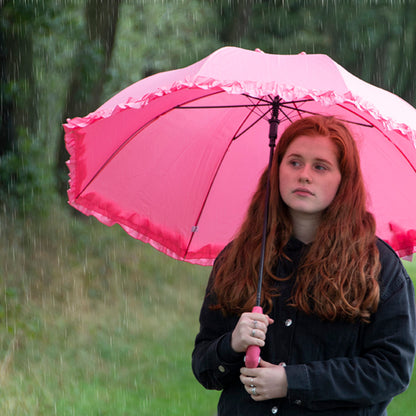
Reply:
x=95, y=323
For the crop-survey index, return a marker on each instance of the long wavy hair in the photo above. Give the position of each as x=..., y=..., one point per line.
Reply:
x=338, y=276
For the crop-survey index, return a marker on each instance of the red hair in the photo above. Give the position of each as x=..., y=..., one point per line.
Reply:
x=337, y=278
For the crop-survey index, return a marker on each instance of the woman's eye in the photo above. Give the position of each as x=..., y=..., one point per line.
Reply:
x=294, y=163
x=321, y=167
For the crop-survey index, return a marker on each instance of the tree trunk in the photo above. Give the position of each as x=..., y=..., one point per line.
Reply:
x=90, y=66
x=17, y=86
x=236, y=17
x=405, y=84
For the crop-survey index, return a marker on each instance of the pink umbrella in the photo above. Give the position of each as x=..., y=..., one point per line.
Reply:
x=174, y=158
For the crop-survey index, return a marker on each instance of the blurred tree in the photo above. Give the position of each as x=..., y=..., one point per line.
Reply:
x=235, y=18
x=18, y=109
x=375, y=40
x=402, y=80
x=165, y=35
x=18, y=93
x=89, y=71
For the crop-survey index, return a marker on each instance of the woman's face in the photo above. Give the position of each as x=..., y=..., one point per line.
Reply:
x=309, y=175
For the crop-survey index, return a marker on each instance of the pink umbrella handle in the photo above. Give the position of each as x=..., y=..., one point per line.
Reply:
x=252, y=358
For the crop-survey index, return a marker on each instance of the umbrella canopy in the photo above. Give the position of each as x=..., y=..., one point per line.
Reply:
x=174, y=159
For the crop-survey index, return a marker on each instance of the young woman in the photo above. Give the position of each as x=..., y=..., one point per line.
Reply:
x=338, y=334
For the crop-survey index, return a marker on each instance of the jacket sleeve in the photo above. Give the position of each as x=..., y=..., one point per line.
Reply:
x=383, y=368
x=214, y=363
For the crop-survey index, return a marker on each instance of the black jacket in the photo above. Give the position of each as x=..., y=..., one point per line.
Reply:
x=333, y=368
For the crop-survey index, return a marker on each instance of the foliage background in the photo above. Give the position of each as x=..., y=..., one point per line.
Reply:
x=91, y=321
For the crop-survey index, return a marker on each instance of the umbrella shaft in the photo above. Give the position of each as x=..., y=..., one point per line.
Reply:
x=274, y=123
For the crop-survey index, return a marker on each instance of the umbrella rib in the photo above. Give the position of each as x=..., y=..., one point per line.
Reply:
x=266, y=104
x=236, y=136
x=196, y=107
x=253, y=107
x=269, y=101
x=368, y=124
x=298, y=111
x=284, y=113
x=195, y=226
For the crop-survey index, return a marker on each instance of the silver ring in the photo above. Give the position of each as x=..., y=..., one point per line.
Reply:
x=251, y=381
x=253, y=391
x=255, y=324
x=253, y=333
x=252, y=385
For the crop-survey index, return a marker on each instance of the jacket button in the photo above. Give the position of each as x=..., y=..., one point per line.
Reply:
x=298, y=402
x=275, y=409
x=221, y=368
x=288, y=322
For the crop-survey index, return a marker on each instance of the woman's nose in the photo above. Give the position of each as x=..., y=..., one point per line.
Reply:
x=305, y=175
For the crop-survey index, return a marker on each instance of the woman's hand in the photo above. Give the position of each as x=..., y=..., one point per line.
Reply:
x=251, y=329
x=268, y=381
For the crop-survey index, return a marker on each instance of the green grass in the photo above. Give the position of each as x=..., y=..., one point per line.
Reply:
x=95, y=323
x=411, y=268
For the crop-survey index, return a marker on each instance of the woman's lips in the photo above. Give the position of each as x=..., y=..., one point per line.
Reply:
x=303, y=191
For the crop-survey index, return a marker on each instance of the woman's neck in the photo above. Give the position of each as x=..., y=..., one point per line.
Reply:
x=305, y=226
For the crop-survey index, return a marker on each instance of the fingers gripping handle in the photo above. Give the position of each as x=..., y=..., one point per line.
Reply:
x=252, y=357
